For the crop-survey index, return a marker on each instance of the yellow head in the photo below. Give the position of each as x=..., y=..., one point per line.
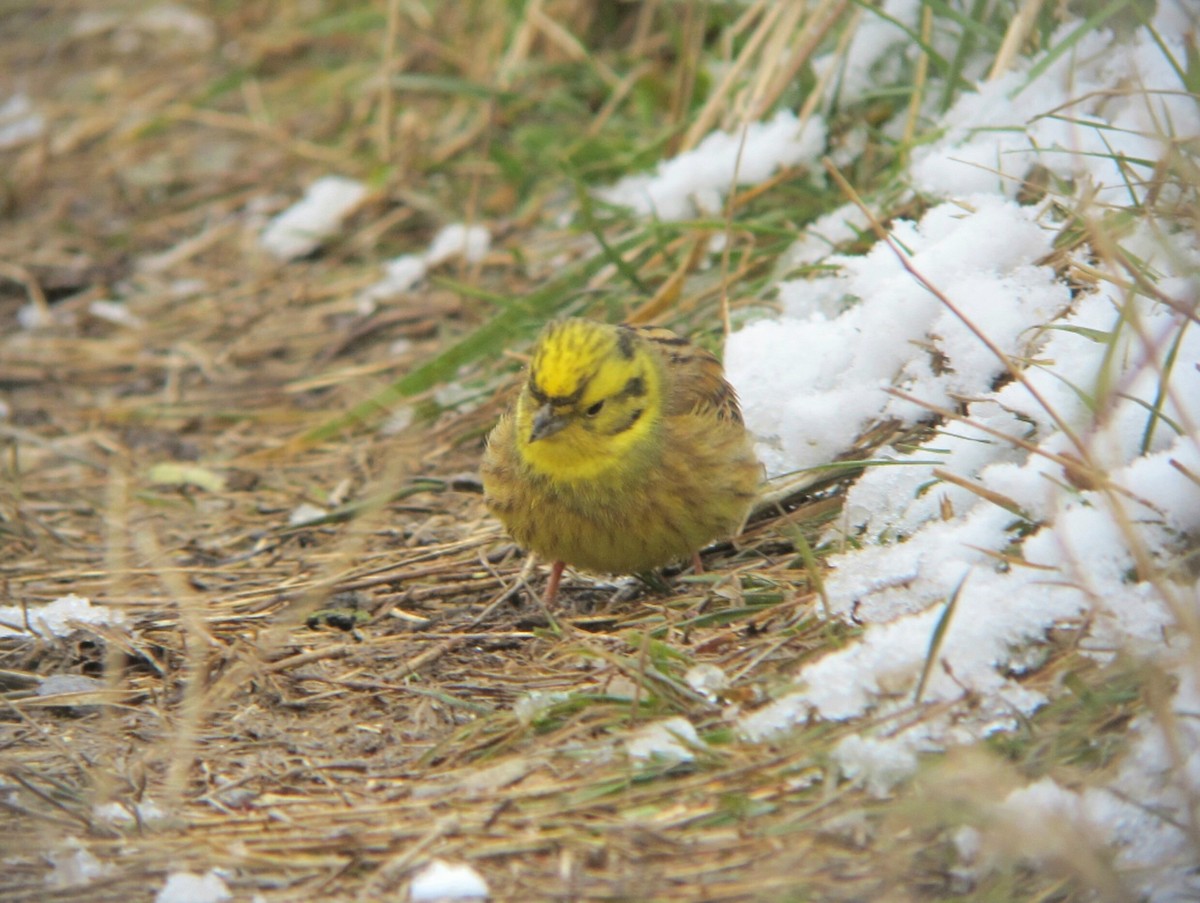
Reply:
x=592, y=402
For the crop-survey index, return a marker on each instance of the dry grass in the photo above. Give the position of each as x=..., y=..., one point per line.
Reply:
x=320, y=763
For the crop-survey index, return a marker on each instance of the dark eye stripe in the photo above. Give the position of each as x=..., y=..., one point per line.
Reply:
x=628, y=424
x=635, y=388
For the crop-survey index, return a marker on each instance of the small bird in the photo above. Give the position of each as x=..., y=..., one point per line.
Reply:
x=625, y=451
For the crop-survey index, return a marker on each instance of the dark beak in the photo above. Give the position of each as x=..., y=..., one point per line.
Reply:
x=546, y=423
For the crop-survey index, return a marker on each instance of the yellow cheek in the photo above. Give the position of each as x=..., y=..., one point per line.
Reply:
x=573, y=454
x=577, y=454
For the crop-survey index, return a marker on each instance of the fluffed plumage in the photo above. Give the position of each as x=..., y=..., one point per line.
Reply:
x=625, y=451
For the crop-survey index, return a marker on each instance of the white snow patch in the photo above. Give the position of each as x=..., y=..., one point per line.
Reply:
x=696, y=181
x=306, y=513
x=1098, y=135
x=398, y=421
x=58, y=617
x=403, y=273
x=706, y=679
x=315, y=218
x=820, y=238
x=20, y=121
x=878, y=764
x=878, y=52
x=147, y=812
x=471, y=243
x=441, y=880
x=994, y=502
x=811, y=381
x=34, y=316
x=536, y=703
x=400, y=274
x=116, y=313
x=173, y=22
x=673, y=739
x=75, y=866
x=188, y=887
x=176, y=20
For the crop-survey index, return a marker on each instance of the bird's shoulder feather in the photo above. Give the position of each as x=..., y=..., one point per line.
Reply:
x=695, y=380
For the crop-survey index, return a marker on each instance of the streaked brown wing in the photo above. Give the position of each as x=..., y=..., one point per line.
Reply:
x=696, y=381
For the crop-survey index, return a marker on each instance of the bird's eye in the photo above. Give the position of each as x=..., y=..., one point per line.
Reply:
x=595, y=409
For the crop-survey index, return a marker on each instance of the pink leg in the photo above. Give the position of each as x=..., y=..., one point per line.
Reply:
x=552, y=585
x=697, y=563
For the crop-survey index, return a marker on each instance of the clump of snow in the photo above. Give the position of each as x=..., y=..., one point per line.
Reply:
x=673, y=739
x=177, y=20
x=308, y=223
x=75, y=866
x=181, y=289
x=1108, y=138
x=1077, y=435
x=997, y=507
x=882, y=48
x=696, y=181
x=60, y=684
x=171, y=22
x=471, y=243
x=832, y=370
x=1044, y=821
x=885, y=665
x=398, y=421
x=115, y=312
x=33, y=316
x=451, y=394
x=1145, y=810
x=1051, y=803
x=845, y=340
x=399, y=275
x=706, y=679
x=441, y=880
x=188, y=887
x=146, y=812
x=821, y=237
x=880, y=764
x=20, y=122
x=306, y=513
x=58, y=617
x=537, y=703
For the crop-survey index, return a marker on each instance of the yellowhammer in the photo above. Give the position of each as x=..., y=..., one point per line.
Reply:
x=625, y=451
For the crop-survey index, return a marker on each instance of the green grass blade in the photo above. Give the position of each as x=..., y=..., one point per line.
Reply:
x=1085, y=28
x=939, y=635
x=509, y=324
